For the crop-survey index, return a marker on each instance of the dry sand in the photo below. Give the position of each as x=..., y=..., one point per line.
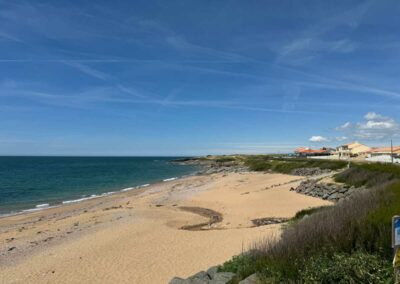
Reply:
x=136, y=236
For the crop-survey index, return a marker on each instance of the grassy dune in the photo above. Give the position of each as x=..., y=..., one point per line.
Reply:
x=346, y=243
x=286, y=166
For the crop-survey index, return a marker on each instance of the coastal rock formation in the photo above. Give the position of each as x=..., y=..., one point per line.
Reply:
x=209, y=166
x=212, y=276
x=309, y=171
x=327, y=191
x=268, y=221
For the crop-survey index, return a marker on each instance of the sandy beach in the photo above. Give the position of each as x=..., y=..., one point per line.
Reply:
x=148, y=235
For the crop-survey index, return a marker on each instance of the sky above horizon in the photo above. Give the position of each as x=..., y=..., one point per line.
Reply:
x=196, y=77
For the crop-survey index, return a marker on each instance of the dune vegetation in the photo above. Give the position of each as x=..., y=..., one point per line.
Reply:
x=349, y=242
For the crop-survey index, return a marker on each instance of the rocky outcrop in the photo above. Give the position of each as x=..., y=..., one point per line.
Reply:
x=268, y=221
x=328, y=191
x=309, y=171
x=211, y=276
x=212, y=166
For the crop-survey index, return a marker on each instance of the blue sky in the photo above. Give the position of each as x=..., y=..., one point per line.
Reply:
x=196, y=77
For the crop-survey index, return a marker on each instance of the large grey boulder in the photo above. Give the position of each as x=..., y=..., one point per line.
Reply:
x=212, y=271
x=252, y=279
x=177, y=280
x=222, y=278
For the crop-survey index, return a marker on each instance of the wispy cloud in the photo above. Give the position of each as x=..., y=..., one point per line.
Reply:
x=88, y=70
x=311, y=42
x=374, y=127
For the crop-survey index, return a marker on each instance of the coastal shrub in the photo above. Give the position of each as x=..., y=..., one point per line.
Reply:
x=259, y=166
x=343, y=228
x=306, y=212
x=242, y=265
x=286, y=165
x=349, y=242
x=369, y=174
x=358, y=267
x=225, y=159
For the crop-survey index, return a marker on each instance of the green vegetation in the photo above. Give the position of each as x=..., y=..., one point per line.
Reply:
x=358, y=267
x=306, y=212
x=287, y=165
x=343, y=243
x=369, y=174
x=224, y=159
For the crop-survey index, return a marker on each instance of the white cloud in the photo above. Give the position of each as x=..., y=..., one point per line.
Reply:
x=374, y=127
x=318, y=139
x=346, y=125
x=341, y=138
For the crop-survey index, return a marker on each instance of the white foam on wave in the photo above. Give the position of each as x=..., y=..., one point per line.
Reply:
x=38, y=207
x=135, y=187
x=80, y=199
x=44, y=205
x=128, y=188
x=170, y=179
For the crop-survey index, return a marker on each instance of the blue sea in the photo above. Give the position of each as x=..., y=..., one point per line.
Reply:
x=33, y=183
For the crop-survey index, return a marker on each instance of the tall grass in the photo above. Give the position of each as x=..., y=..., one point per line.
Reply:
x=369, y=175
x=349, y=242
x=286, y=166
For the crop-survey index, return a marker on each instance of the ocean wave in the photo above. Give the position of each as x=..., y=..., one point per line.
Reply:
x=170, y=179
x=128, y=188
x=44, y=205
x=135, y=187
x=80, y=199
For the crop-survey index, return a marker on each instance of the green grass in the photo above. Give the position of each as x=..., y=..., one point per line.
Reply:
x=357, y=267
x=287, y=165
x=223, y=159
x=369, y=175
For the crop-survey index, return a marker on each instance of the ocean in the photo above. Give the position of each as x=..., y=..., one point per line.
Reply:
x=34, y=183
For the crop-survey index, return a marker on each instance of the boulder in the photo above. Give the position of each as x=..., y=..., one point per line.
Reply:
x=222, y=278
x=202, y=276
x=252, y=279
x=177, y=280
x=333, y=196
x=212, y=271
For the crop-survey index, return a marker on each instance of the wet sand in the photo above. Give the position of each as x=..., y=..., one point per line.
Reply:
x=148, y=235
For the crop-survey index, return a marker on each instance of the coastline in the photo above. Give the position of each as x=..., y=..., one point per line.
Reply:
x=149, y=223
x=46, y=206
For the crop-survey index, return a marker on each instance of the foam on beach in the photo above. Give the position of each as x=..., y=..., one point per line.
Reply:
x=44, y=205
x=135, y=187
x=170, y=179
x=80, y=199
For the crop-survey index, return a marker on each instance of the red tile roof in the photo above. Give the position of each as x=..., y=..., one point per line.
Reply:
x=396, y=149
x=302, y=150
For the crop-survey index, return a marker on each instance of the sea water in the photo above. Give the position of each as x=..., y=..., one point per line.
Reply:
x=35, y=183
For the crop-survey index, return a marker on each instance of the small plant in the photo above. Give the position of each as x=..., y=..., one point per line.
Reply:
x=242, y=265
x=358, y=267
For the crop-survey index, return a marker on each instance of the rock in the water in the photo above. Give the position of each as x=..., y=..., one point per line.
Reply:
x=222, y=278
x=252, y=279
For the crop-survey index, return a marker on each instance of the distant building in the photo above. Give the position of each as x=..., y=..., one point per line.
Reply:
x=352, y=150
x=385, y=151
x=384, y=155
x=308, y=152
